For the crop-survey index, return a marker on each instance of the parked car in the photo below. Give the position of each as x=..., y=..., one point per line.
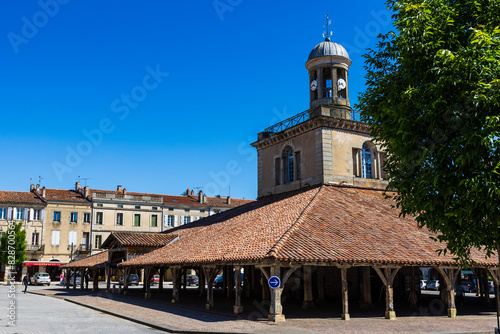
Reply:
x=433, y=285
x=133, y=279
x=468, y=287
x=218, y=281
x=40, y=279
x=491, y=287
x=423, y=284
x=191, y=280
x=155, y=279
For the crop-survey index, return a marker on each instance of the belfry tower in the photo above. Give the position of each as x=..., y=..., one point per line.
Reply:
x=323, y=144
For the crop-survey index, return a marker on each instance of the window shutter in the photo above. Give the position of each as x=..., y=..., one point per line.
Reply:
x=25, y=216
x=175, y=221
x=191, y=219
x=14, y=213
x=165, y=220
x=42, y=215
x=9, y=213
x=182, y=220
x=31, y=215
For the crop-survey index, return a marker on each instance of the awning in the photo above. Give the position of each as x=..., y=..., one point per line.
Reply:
x=467, y=272
x=43, y=264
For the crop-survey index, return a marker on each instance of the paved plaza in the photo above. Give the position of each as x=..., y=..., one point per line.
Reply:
x=53, y=304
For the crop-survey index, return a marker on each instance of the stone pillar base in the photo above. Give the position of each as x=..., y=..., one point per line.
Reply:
x=307, y=304
x=452, y=312
x=391, y=315
x=209, y=306
x=276, y=318
x=346, y=316
x=237, y=309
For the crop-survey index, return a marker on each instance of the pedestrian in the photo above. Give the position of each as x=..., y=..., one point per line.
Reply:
x=61, y=282
x=26, y=280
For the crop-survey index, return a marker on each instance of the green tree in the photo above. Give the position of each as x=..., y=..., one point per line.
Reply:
x=13, y=245
x=433, y=103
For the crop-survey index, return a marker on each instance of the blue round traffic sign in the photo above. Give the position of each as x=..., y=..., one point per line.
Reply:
x=274, y=282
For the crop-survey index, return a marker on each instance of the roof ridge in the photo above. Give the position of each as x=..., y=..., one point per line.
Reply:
x=295, y=225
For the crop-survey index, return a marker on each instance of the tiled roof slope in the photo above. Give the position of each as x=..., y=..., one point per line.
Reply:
x=61, y=195
x=324, y=224
x=138, y=239
x=193, y=200
x=88, y=262
x=21, y=197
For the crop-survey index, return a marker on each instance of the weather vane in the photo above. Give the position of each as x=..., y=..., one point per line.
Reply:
x=326, y=36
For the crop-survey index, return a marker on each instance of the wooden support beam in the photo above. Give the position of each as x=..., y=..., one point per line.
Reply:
x=126, y=274
x=176, y=276
x=147, y=282
x=210, y=274
x=345, y=293
x=387, y=277
x=68, y=277
x=450, y=276
x=413, y=290
x=162, y=276
x=95, y=279
x=230, y=282
x=308, y=296
x=108, y=277
x=237, y=308
x=321, y=285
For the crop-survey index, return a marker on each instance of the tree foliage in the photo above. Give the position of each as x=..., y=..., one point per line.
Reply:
x=433, y=103
x=13, y=244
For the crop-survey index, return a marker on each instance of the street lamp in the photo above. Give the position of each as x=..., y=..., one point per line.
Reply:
x=71, y=254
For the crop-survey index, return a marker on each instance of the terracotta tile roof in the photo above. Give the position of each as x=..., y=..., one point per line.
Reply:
x=139, y=239
x=21, y=197
x=325, y=224
x=193, y=200
x=61, y=195
x=96, y=260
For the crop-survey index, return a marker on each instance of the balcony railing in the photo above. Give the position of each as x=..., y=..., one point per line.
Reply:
x=35, y=248
x=287, y=123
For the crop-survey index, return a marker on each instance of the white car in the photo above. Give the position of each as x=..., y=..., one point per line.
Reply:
x=40, y=278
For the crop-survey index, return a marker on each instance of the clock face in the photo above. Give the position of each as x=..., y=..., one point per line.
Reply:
x=341, y=84
x=314, y=85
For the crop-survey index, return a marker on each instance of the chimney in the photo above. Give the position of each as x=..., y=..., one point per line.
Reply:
x=32, y=187
x=228, y=200
x=192, y=192
x=124, y=190
x=86, y=192
x=200, y=196
x=37, y=187
x=119, y=188
x=44, y=192
x=187, y=192
x=77, y=185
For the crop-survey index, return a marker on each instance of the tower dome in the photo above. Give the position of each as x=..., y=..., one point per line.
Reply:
x=328, y=48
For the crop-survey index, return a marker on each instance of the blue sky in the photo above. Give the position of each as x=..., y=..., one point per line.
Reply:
x=159, y=96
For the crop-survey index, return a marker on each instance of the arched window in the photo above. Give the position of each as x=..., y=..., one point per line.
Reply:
x=288, y=165
x=367, y=161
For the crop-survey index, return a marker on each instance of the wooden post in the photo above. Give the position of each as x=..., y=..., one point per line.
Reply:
x=321, y=285
x=68, y=277
x=126, y=274
x=237, y=308
x=74, y=278
x=147, y=282
x=108, y=277
x=345, y=293
x=276, y=309
x=308, y=297
x=163, y=270
x=82, y=280
x=366, y=289
x=230, y=282
x=450, y=276
x=176, y=275
x=486, y=288
x=387, y=278
x=210, y=274
x=95, y=279
x=413, y=292
x=248, y=280
x=201, y=280
x=265, y=288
